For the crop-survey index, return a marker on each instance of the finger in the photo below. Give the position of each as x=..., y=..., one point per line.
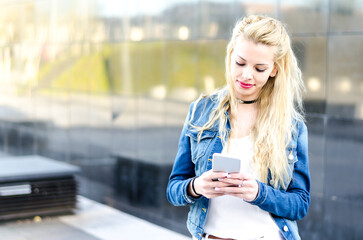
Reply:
x=233, y=181
x=248, y=192
x=220, y=184
x=217, y=184
x=239, y=175
x=234, y=189
x=229, y=190
x=212, y=191
x=209, y=196
x=217, y=175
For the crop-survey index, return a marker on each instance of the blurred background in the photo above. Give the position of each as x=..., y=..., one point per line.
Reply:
x=106, y=85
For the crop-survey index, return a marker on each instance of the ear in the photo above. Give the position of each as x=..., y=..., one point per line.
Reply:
x=274, y=72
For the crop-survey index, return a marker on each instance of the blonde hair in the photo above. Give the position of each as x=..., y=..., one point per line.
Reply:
x=280, y=100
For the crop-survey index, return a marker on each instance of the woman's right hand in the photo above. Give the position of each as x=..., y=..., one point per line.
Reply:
x=206, y=183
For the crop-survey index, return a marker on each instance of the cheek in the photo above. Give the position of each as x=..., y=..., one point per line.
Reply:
x=233, y=70
x=235, y=73
x=262, y=80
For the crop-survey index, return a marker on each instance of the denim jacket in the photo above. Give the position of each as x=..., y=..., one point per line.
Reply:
x=194, y=158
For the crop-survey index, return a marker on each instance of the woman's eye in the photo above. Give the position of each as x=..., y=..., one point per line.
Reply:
x=260, y=70
x=240, y=64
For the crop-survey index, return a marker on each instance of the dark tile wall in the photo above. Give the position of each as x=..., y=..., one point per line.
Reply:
x=311, y=226
x=106, y=85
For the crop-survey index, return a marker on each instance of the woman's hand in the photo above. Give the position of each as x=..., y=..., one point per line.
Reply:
x=207, y=183
x=243, y=186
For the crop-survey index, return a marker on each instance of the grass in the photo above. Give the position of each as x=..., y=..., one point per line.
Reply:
x=136, y=68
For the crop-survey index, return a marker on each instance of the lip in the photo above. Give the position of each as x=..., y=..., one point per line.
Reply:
x=245, y=85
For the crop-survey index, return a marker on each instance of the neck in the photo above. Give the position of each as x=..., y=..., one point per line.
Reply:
x=246, y=102
x=240, y=101
x=251, y=107
x=243, y=118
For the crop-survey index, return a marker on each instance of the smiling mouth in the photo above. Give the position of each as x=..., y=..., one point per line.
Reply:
x=245, y=85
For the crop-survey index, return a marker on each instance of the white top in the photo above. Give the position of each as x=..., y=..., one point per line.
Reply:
x=232, y=217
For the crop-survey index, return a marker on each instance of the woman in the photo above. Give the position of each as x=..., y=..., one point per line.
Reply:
x=257, y=118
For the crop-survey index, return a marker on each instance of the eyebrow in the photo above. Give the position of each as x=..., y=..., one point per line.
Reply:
x=260, y=64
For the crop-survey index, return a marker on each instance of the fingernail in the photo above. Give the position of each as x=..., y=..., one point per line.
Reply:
x=220, y=179
x=217, y=189
x=228, y=175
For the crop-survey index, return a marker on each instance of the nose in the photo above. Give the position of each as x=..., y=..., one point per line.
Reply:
x=247, y=73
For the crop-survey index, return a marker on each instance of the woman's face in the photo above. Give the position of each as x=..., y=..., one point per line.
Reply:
x=251, y=66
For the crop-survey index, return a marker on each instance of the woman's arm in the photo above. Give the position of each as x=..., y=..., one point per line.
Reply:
x=179, y=190
x=183, y=170
x=293, y=203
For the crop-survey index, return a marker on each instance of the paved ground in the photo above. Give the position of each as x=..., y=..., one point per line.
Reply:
x=91, y=221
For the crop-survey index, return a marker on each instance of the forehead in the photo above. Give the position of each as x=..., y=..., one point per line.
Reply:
x=257, y=53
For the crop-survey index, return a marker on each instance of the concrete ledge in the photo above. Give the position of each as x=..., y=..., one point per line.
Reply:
x=91, y=221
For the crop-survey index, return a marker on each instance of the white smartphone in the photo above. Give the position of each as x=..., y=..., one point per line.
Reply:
x=225, y=163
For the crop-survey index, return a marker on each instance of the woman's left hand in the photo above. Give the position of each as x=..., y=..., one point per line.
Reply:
x=245, y=186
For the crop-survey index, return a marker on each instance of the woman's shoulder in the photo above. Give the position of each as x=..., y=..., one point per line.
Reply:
x=299, y=122
x=205, y=102
x=201, y=108
x=299, y=126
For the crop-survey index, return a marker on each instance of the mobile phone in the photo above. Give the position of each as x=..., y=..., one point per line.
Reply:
x=225, y=163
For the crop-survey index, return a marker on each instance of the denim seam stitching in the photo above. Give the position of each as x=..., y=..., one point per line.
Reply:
x=264, y=198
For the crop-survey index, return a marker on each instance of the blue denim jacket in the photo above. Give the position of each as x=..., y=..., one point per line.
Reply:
x=193, y=159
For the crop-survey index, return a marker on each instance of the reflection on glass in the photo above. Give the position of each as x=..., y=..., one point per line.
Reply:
x=180, y=66
x=311, y=56
x=124, y=125
x=345, y=71
x=360, y=111
x=137, y=34
x=314, y=84
x=211, y=65
x=346, y=15
x=305, y=16
x=158, y=92
x=100, y=77
x=217, y=18
x=262, y=7
x=209, y=85
x=184, y=33
x=344, y=85
x=179, y=14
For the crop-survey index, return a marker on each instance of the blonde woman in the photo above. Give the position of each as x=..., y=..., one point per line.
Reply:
x=257, y=118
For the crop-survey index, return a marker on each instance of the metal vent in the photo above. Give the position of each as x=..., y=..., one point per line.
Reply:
x=37, y=197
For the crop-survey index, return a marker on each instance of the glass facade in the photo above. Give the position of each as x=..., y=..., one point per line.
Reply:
x=106, y=85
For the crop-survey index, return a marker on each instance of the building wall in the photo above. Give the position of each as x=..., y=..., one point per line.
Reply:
x=106, y=85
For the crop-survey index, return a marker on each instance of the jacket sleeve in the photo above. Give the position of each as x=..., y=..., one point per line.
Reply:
x=183, y=170
x=293, y=203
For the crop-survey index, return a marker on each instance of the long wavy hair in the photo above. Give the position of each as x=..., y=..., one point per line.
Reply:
x=279, y=103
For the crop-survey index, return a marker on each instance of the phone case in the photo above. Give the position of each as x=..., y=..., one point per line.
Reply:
x=225, y=163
